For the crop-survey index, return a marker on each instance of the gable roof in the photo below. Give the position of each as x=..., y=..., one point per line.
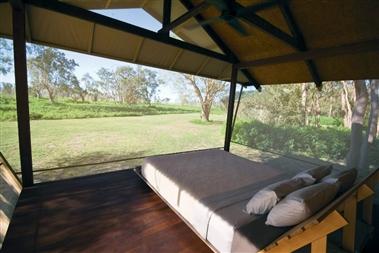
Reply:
x=314, y=40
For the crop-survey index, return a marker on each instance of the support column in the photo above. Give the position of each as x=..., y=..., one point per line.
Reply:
x=20, y=70
x=229, y=118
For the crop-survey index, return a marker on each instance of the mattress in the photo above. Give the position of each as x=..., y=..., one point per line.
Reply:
x=210, y=189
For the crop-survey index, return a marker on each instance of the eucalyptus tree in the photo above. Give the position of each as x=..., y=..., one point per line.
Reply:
x=206, y=90
x=50, y=69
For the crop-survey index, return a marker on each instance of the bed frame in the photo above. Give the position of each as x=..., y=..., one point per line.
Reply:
x=340, y=214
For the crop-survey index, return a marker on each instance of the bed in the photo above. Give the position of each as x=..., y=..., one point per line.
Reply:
x=210, y=189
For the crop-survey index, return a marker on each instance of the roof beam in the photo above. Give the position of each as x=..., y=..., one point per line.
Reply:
x=84, y=14
x=296, y=32
x=166, y=16
x=221, y=44
x=269, y=28
x=90, y=41
x=180, y=20
x=360, y=47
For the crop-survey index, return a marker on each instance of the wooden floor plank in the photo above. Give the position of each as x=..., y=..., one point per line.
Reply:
x=112, y=212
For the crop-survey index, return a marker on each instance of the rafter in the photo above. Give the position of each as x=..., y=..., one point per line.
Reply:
x=221, y=44
x=90, y=41
x=180, y=20
x=84, y=14
x=166, y=16
x=297, y=34
x=269, y=28
x=138, y=49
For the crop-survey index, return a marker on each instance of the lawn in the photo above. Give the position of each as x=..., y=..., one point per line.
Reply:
x=57, y=143
x=68, y=109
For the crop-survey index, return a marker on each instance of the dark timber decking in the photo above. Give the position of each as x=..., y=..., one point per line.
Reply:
x=112, y=212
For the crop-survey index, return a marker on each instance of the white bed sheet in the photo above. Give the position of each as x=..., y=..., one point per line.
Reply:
x=213, y=207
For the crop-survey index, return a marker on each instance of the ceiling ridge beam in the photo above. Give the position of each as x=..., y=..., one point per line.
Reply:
x=296, y=32
x=84, y=14
x=221, y=44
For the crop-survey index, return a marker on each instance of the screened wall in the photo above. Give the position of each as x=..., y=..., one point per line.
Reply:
x=299, y=122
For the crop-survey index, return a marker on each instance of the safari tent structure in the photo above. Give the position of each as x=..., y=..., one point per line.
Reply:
x=256, y=43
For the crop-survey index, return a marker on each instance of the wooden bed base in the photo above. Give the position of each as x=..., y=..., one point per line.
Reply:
x=137, y=170
x=341, y=213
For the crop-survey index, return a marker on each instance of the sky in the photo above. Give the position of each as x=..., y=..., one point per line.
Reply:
x=90, y=64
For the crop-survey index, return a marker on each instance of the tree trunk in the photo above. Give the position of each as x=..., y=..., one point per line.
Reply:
x=353, y=157
x=372, y=125
x=346, y=106
x=304, y=91
x=51, y=95
x=331, y=102
x=318, y=108
x=206, y=109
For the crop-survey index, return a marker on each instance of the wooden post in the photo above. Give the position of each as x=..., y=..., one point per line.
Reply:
x=348, y=232
x=229, y=119
x=319, y=245
x=20, y=70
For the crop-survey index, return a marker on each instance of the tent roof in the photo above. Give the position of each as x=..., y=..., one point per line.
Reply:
x=289, y=41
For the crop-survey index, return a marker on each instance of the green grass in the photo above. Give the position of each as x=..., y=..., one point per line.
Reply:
x=207, y=123
x=66, y=109
x=66, y=142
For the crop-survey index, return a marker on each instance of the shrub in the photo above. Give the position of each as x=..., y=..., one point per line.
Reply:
x=327, y=143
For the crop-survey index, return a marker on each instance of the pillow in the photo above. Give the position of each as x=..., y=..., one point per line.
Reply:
x=264, y=200
x=345, y=178
x=306, y=177
x=301, y=204
x=317, y=173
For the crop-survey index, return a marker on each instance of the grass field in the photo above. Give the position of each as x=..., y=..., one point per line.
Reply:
x=68, y=109
x=57, y=143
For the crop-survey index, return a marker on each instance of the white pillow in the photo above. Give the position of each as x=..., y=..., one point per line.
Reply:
x=264, y=200
x=302, y=204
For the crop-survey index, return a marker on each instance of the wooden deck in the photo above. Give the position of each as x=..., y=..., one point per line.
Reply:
x=112, y=212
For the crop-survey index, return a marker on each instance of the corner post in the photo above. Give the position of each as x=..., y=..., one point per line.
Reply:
x=229, y=118
x=20, y=70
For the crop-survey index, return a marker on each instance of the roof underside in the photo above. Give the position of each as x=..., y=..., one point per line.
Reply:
x=274, y=32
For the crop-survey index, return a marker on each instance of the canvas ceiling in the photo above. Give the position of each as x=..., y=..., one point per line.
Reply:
x=323, y=24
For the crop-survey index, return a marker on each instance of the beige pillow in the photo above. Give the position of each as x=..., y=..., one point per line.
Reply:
x=301, y=204
x=264, y=200
x=345, y=178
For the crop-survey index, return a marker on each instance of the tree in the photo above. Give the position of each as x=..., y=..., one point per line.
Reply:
x=6, y=58
x=108, y=83
x=77, y=89
x=51, y=69
x=206, y=90
x=92, y=87
x=347, y=103
x=7, y=89
x=148, y=83
x=126, y=89
x=359, y=145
